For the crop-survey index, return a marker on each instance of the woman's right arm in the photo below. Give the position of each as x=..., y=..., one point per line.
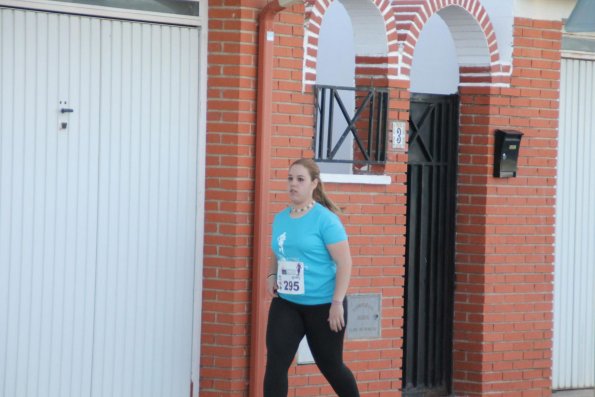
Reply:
x=272, y=277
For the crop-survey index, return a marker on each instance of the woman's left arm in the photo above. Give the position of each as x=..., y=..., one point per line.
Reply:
x=341, y=255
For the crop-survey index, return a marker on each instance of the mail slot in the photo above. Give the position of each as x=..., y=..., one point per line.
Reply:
x=508, y=143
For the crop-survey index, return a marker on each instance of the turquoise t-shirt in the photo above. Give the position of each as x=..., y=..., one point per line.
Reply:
x=304, y=240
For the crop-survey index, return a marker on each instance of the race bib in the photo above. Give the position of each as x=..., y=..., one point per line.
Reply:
x=290, y=277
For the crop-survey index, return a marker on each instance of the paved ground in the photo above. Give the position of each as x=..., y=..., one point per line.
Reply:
x=575, y=393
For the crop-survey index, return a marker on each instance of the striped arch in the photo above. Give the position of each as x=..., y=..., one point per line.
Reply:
x=375, y=36
x=472, y=30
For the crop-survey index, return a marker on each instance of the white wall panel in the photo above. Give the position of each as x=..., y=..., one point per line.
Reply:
x=574, y=297
x=98, y=220
x=48, y=206
x=147, y=204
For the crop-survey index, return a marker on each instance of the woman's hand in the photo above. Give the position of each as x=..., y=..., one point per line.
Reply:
x=272, y=285
x=336, y=317
x=341, y=255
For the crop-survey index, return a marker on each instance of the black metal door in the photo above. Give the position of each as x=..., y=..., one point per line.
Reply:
x=429, y=285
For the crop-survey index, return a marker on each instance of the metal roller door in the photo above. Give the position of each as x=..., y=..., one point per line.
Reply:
x=98, y=205
x=574, y=290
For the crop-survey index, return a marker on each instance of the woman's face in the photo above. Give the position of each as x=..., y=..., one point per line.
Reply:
x=300, y=185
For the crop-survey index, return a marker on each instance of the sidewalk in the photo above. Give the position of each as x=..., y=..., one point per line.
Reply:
x=575, y=393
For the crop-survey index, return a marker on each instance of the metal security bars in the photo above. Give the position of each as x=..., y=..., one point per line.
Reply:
x=429, y=274
x=351, y=125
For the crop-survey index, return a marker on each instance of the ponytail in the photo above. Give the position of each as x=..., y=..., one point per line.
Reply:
x=319, y=194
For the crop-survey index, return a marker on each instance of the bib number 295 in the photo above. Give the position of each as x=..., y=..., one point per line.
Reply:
x=291, y=286
x=290, y=277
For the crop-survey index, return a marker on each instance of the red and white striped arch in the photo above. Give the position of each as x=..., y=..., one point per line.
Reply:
x=387, y=31
x=374, y=28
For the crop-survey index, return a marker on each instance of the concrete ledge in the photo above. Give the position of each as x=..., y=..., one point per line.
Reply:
x=356, y=179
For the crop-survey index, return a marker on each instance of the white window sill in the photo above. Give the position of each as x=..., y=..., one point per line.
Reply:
x=356, y=179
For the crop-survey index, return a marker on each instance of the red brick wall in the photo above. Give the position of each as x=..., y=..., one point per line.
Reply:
x=373, y=215
x=225, y=337
x=505, y=226
x=504, y=264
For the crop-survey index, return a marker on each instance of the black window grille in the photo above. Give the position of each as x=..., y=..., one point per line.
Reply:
x=351, y=125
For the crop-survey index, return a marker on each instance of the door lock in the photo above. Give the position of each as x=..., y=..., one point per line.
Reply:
x=63, y=117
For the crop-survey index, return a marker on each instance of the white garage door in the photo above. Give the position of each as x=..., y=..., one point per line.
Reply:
x=98, y=205
x=574, y=287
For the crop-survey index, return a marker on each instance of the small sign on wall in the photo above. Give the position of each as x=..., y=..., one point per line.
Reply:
x=399, y=134
x=363, y=316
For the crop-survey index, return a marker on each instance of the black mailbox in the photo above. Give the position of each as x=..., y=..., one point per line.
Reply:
x=508, y=143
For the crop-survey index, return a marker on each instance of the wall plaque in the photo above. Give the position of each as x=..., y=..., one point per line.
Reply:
x=363, y=316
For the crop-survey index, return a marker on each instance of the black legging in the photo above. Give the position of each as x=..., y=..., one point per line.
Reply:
x=288, y=323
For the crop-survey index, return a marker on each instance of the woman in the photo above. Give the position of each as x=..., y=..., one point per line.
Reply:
x=308, y=279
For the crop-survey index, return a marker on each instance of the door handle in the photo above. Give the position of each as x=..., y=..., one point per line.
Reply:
x=66, y=110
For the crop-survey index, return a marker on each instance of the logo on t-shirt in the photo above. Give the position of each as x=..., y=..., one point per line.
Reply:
x=280, y=241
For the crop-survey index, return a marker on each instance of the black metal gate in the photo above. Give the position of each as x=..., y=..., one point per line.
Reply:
x=429, y=285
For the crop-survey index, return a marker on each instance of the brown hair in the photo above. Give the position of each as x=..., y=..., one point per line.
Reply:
x=319, y=194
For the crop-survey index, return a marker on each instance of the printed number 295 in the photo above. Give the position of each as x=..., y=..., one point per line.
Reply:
x=291, y=285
